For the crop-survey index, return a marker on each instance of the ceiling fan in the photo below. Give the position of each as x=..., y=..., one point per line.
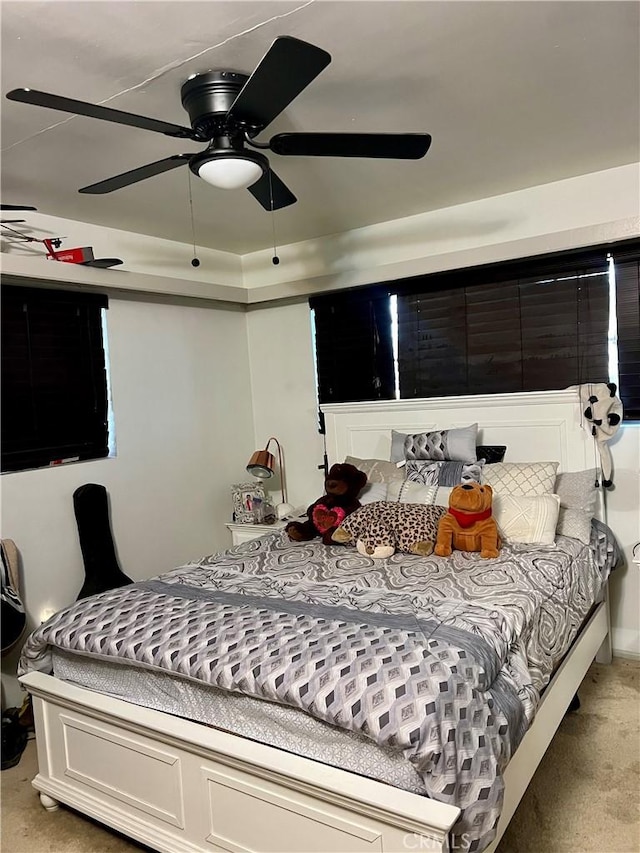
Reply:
x=227, y=110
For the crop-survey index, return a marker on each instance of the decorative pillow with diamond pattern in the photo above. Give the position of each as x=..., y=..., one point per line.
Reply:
x=521, y=478
x=451, y=445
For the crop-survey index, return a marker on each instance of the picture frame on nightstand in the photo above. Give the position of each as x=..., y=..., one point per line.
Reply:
x=249, y=501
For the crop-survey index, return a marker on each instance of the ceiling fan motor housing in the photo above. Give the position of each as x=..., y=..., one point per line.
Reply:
x=208, y=98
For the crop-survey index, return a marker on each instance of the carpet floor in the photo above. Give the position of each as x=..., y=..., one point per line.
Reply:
x=584, y=798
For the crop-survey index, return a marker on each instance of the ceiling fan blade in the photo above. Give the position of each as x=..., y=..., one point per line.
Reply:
x=11, y=221
x=269, y=187
x=82, y=108
x=16, y=207
x=135, y=175
x=283, y=72
x=402, y=146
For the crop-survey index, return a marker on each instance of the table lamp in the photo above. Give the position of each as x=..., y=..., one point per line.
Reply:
x=262, y=465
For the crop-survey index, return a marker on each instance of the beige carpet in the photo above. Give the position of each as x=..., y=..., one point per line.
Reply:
x=584, y=798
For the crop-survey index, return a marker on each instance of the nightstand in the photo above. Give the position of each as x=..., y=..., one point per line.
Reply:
x=245, y=532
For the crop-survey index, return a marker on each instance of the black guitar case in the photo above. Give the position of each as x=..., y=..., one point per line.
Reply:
x=101, y=565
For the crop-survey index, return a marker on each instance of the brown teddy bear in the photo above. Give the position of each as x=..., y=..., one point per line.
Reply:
x=468, y=525
x=342, y=485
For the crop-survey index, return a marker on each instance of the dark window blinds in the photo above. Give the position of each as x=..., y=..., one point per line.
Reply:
x=628, y=311
x=354, y=348
x=54, y=387
x=532, y=324
x=532, y=333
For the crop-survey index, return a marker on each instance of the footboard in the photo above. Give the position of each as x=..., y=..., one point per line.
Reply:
x=181, y=786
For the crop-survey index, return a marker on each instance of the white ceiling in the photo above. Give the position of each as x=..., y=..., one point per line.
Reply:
x=513, y=93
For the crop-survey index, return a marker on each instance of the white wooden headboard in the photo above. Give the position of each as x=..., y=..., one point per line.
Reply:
x=538, y=426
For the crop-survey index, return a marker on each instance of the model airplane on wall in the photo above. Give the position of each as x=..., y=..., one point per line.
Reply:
x=83, y=255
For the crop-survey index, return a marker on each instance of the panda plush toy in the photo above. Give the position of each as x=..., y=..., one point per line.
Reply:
x=602, y=411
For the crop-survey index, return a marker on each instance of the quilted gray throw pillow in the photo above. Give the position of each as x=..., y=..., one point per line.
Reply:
x=427, y=445
x=457, y=445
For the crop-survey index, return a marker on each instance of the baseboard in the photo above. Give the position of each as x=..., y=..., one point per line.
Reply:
x=625, y=654
x=625, y=642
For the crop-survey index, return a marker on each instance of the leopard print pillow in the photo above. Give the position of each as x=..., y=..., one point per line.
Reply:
x=411, y=528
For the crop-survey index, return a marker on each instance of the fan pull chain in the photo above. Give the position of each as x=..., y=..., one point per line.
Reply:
x=275, y=259
x=195, y=262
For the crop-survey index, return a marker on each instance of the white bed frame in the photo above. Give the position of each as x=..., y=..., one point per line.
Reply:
x=177, y=785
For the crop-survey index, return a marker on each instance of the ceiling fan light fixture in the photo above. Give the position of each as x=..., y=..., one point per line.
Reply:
x=229, y=169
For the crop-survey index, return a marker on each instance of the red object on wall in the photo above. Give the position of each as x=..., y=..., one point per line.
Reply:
x=73, y=256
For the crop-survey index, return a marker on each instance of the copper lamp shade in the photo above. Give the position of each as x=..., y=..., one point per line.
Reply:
x=262, y=464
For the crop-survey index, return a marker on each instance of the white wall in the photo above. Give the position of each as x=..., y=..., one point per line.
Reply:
x=623, y=511
x=184, y=430
x=284, y=394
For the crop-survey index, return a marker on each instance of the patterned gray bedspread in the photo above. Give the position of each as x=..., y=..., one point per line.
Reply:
x=441, y=659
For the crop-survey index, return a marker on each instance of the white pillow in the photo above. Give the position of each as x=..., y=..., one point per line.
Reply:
x=442, y=495
x=377, y=470
x=527, y=518
x=408, y=492
x=521, y=478
x=373, y=492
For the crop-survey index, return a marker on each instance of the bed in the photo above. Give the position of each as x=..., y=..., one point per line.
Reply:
x=165, y=777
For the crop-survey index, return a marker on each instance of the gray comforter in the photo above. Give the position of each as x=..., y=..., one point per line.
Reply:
x=440, y=659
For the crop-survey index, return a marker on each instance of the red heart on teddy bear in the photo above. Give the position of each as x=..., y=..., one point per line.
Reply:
x=325, y=518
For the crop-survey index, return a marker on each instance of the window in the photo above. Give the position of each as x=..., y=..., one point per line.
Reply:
x=627, y=274
x=54, y=383
x=529, y=325
x=354, y=348
x=529, y=333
